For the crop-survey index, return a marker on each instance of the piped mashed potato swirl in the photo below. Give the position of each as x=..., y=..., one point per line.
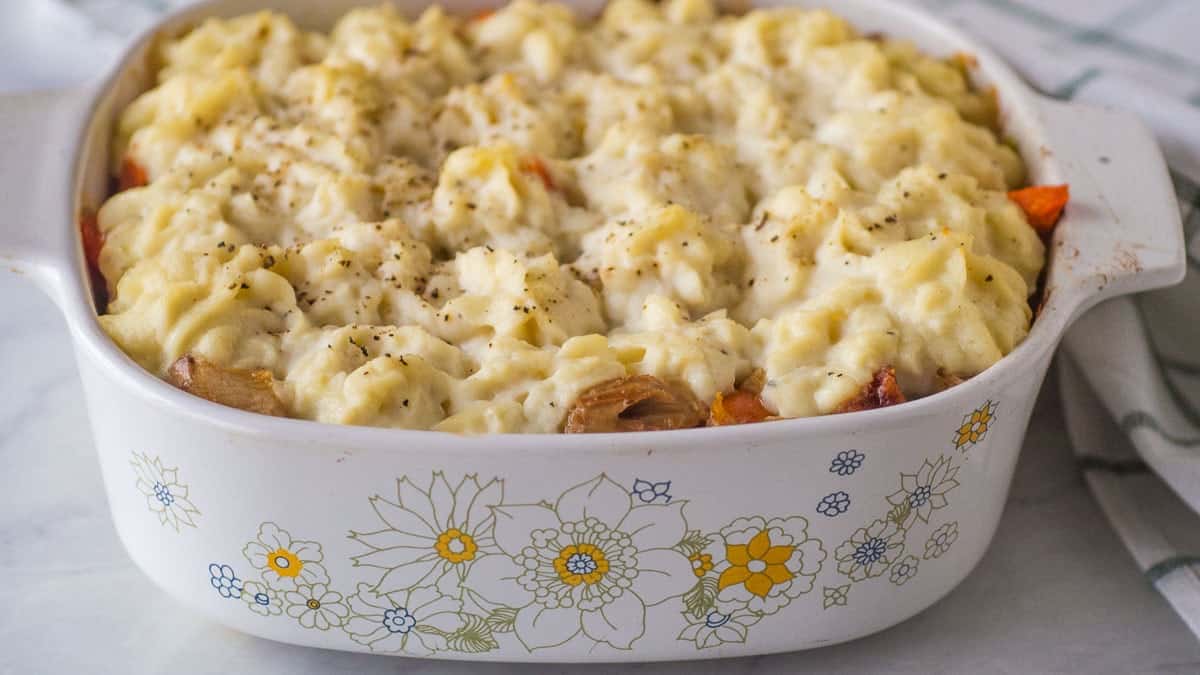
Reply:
x=463, y=224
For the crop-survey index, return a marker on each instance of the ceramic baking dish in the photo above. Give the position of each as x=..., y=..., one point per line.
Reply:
x=699, y=543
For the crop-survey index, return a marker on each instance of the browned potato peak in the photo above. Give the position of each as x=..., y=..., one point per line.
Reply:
x=249, y=390
x=880, y=392
x=634, y=403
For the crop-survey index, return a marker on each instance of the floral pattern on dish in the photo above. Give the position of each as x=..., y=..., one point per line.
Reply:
x=430, y=535
x=283, y=562
x=589, y=564
x=166, y=497
x=461, y=570
x=846, y=462
x=975, y=425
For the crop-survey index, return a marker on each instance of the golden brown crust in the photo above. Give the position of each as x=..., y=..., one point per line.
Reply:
x=880, y=392
x=249, y=390
x=634, y=403
x=947, y=380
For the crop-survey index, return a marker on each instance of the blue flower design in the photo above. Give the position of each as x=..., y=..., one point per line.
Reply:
x=716, y=619
x=834, y=504
x=581, y=563
x=399, y=620
x=920, y=496
x=870, y=551
x=163, y=494
x=651, y=492
x=847, y=462
x=225, y=581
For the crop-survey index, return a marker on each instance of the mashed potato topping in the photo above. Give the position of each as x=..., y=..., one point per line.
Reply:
x=463, y=224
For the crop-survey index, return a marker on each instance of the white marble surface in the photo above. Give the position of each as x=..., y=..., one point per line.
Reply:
x=1055, y=593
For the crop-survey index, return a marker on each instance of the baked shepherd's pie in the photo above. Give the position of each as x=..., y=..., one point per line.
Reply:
x=529, y=221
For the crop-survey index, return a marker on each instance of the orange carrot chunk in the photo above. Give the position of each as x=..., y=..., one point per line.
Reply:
x=739, y=407
x=1042, y=204
x=536, y=166
x=132, y=175
x=93, y=239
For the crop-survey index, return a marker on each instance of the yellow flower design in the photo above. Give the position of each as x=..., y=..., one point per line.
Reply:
x=581, y=564
x=974, y=426
x=701, y=563
x=757, y=564
x=284, y=563
x=456, y=546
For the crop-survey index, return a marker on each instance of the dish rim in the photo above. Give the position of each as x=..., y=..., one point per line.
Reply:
x=92, y=343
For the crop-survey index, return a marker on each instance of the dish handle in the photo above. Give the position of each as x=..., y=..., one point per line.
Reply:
x=1121, y=232
x=36, y=166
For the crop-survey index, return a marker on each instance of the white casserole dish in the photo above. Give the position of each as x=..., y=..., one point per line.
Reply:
x=872, y=516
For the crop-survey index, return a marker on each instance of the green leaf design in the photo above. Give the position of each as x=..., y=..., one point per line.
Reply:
x=502, y=620
x=900, y=513
x=474, y=637
x=699, y=601
x=430, y=630
x=693, y=542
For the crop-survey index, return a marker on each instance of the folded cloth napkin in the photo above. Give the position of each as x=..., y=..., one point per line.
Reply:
x=1132, y=399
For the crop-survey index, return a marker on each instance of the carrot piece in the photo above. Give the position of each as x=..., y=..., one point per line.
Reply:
x=739, y=407
x=93, y=239
x=880, y=392
x=483, y=15
x=132, y=175
x=1042, y=204
x=536, y=166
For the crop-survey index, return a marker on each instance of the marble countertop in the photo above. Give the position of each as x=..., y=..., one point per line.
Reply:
x=1055, y=593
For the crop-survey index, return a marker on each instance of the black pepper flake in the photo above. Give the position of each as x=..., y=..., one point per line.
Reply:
x=941, y=176
x=988, y=278
x=890, y=219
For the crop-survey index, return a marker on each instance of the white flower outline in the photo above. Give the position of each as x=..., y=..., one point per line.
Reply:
x=941, y=540
x=416, y=524
x=925, y=491
x=718, y=628
x=166, y=497
x=271, y=539
x=262, y=599
x=870, y=550
x=804, y=563
x=316, y=606
x=426, y=608
x=904, y=569
x=635, y=542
